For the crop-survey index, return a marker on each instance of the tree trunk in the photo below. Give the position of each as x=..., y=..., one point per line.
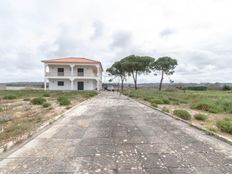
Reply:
x=161, y=81
x=122, y=83
x=135, y=80
x=134, y=75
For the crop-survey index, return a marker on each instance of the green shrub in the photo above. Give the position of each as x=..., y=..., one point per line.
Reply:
x=64, y=101
x=38, y=101
x=1, y=109
x=164, y=109
x=46, y=105
x=26, y=99
x=182, y=114
x=166, y=101
x=201, y=117
x=46, y=95
x=213, y=129
x=157, y=101
x=197, y=88
x=226, y=88
x=225, y=125
x=206, y=106
x=9, y=97
x=154, y=105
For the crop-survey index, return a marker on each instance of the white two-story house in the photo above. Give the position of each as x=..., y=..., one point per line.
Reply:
x=72, y=73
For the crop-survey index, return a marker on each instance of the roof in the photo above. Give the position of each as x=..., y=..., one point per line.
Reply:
x=71, y=60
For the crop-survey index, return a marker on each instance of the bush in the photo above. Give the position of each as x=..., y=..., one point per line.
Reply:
x=157, y=101
x=164, y=109
x=225, y=125
x=201, y=117
x=205, y=106
x=1, y=109
x=226, y=88
x=64, y=101
x=26, y=99
x=182, y=114
x=46, y=105
x=166, y=101
x=38, y=101
x=46, y=95
x=154, y=105
x=9, y=97
x=197, y=88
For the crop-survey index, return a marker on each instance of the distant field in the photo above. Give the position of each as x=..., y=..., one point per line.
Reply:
x=209, y=109
x=21, y=111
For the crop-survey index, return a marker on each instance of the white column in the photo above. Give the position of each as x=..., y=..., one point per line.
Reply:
x=45, y=83
x=72, y=67
x=98, y=85
x=72, y=83
x=45, y=78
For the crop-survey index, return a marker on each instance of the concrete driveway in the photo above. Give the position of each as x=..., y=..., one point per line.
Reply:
x=113, y=134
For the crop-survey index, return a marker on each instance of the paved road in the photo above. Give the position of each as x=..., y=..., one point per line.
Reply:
x=114, y=134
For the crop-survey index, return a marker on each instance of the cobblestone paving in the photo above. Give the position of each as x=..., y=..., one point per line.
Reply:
x=112, y=134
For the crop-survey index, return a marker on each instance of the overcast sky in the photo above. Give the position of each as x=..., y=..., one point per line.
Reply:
x=198, y=33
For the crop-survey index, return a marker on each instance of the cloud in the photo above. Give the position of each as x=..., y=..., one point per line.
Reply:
x=31, y=30
x=166, y=32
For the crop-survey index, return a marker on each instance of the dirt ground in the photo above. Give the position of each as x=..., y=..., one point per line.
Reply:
x=19, y=116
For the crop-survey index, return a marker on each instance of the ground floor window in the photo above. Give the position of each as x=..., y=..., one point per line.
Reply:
x=60, y=83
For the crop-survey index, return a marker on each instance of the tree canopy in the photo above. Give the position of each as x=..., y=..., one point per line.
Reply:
x=135, y=65
x=117, y=70
x=166, y=65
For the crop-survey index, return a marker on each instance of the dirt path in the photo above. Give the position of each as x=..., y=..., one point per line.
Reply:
x=113, y=134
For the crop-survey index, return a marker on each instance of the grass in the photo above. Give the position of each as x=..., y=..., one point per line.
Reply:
x=201, y=117
x=19, y=116
x=209, y=101
x=38, y=101
x=9, y=97
x=63, y=101
x=217, y=103
x=225, y=125
x=46, y=105
x=182, y=114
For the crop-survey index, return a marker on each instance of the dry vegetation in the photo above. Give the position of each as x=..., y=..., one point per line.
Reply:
x=24, y=110
x=208, y=109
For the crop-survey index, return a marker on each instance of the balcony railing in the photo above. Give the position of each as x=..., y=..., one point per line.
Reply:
x=61, y=74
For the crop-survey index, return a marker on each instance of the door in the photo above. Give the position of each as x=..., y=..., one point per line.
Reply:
x=80, y=85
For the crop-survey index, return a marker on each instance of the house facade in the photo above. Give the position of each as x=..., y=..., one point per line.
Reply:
x=72, y=73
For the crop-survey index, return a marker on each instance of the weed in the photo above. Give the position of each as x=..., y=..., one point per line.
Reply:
x=164, y=109
x=38, y=101
x=225, y=125
x=26, y=99
x=46, y=95
x=46, y=105
x=201, y=117
x=182, y=114
x=9, y=97
x=64, y=101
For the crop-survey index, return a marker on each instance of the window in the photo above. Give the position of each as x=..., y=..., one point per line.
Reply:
x=80, y=72
x=60, y=71
x=60, y=83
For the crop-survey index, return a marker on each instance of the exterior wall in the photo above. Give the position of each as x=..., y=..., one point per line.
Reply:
x=88, y=84
x=89, y=71
x=92, y=77
x=53, y=70
x=53, y=84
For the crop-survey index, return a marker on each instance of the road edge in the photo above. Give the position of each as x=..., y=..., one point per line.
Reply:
x=11, y=146
x=220, y=137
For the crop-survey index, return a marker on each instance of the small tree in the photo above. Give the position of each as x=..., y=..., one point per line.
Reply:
x=117, y=71
x=135, y=65
x=165, y=65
